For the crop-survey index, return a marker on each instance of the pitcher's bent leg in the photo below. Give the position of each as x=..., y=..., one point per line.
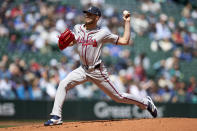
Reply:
x=74, y=78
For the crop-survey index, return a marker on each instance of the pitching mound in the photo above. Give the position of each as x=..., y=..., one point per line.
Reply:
x=159, y=124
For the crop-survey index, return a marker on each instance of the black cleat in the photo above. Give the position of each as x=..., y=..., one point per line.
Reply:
x=151, y=107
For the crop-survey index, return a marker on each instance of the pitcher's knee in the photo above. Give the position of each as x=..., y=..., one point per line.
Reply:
x=63, y=85
x=118, y=98
x=67, y=85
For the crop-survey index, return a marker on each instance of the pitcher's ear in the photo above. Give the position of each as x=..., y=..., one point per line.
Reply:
x=97, y=18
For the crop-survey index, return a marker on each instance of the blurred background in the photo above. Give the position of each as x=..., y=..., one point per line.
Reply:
x=160, y=61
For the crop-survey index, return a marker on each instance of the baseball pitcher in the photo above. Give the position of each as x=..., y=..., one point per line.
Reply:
x=89, y=40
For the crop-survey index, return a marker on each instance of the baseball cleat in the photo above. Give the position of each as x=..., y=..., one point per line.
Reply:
x=151, y=107
x=54, y=120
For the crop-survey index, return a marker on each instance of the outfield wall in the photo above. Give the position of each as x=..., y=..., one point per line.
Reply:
x=90, y=110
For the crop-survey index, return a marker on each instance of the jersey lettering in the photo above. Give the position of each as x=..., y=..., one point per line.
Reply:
x=87, y=42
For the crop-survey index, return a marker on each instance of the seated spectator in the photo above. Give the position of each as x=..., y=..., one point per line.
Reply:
x=47, y=86
x=186, y=10
x=175, y=71
x=4, y=64
x=186, y=54
x=139, y=73
x=139, y=24
x=149, y=6
x=153, y=92
x=165, y=45
x=159, y=67
x=85, y=91
x=162, y=29
x=3, y=30
x=6, y=89
x=12, y=45
x=137, y=90
x=194, y=14
x=171, y=23
x=187, y=40
x=166, y=94
x=170, y=61
x=142, y=59
x=192, y=90
x=177, y=37
x=180, y=93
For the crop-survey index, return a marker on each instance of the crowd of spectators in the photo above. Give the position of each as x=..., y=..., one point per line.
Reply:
x=34, y=27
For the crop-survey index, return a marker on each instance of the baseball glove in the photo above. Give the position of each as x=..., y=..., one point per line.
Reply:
x=65, y=39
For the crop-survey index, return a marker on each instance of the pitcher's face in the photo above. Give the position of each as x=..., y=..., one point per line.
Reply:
x=91, y=18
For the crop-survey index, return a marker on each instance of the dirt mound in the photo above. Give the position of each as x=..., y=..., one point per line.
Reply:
x=158, y=124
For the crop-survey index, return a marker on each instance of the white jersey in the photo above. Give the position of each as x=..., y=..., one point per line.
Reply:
x=89, y=43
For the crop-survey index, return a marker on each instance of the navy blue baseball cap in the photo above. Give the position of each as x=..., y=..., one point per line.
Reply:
x=93, y=10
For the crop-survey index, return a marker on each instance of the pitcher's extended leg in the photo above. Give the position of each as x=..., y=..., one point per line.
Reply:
x=74, y=78
x=104, y=83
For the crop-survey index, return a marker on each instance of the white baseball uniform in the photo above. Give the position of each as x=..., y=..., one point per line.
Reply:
x=89, y=44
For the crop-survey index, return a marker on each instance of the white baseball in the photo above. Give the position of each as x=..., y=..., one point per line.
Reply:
x=125, y=12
